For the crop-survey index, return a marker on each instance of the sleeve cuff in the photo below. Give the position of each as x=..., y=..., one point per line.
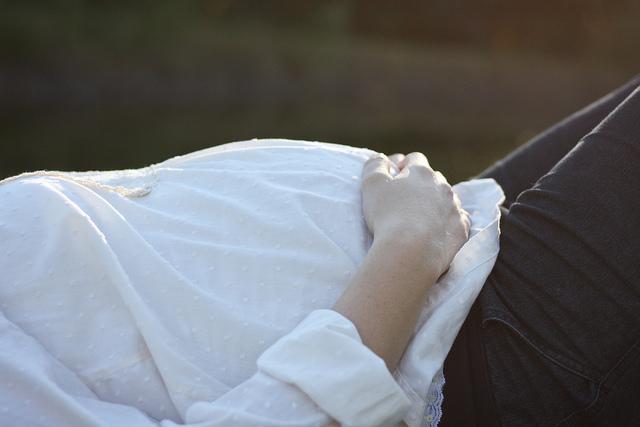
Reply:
x=325, y=358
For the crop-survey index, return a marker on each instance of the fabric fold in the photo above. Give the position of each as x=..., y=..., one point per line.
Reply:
x=325, y=358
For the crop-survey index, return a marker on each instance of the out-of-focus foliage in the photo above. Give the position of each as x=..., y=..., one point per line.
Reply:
x=99, y=85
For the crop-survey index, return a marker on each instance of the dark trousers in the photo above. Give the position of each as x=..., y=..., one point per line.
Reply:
x=554, y=337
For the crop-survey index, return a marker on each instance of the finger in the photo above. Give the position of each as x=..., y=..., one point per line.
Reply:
x=457, y=201
x=377, y=165
x=466, y=220
x=396, y=158
x=414, y=158
x=440, y=178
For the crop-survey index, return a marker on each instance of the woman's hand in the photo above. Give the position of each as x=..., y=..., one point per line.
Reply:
x=415, y=206
x=417, y=227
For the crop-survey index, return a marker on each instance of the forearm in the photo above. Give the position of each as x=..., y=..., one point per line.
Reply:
x=386, y=295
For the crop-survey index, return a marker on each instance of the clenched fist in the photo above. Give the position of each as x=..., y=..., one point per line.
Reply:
x=405, y=200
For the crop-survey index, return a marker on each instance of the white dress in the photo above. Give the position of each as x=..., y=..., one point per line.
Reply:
x=198, y=292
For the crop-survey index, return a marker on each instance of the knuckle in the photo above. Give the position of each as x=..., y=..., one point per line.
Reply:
x=446, y=190
x=374, y=162
x=417, y=158
x=440, y=177
x=458, y=202
x=373, y=178
x=377, y=158
x=417, y=155
x=420, y=170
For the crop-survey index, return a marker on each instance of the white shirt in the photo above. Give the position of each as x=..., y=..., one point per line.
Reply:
x=198, y=291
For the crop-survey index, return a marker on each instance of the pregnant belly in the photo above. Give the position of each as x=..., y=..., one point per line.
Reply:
x=191, y=267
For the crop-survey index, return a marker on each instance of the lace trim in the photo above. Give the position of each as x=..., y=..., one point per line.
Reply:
x=433, y=408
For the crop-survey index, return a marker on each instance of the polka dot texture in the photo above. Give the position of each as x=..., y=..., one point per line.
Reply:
x=139, y=295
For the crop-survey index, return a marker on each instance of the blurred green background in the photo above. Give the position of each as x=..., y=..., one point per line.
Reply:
x=121, y=84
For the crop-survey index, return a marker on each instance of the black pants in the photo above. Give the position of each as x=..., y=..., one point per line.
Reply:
x=554, y=337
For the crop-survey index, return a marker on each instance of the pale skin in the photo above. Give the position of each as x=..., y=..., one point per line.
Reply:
x=418, y=226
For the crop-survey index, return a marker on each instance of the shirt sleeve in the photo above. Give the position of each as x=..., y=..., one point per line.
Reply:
x=320, y=374
x=317, y=373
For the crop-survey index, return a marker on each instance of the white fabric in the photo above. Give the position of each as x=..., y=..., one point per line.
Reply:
x=449, y=302
x=197, y=291
x=327, y=342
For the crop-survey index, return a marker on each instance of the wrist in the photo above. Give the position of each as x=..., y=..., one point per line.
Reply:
x=410, y=249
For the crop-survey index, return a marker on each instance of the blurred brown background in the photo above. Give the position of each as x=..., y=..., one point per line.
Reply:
x=120, y=84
